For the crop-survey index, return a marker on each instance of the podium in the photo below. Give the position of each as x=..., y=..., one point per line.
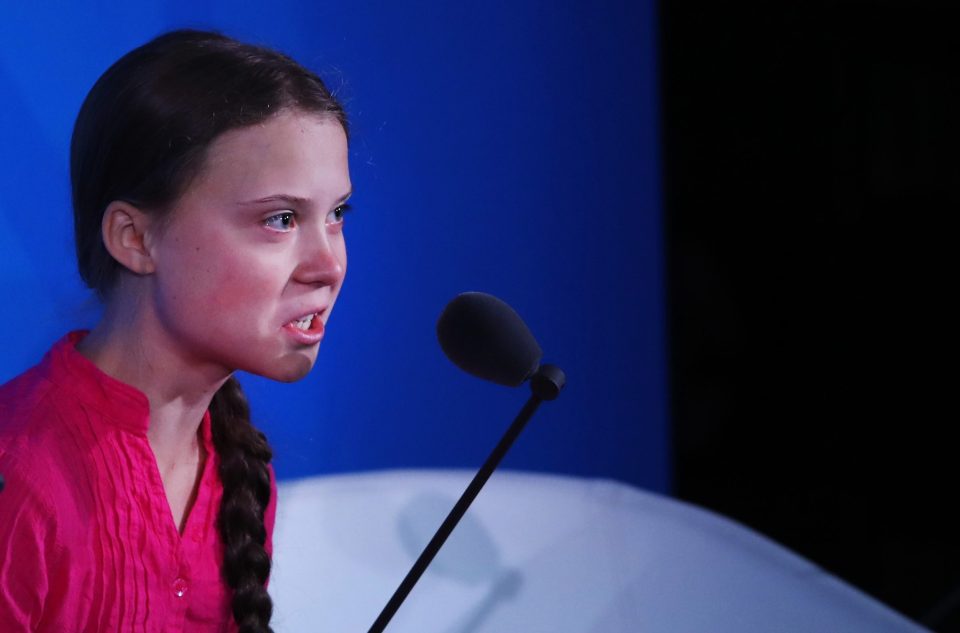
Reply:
x=542, y=553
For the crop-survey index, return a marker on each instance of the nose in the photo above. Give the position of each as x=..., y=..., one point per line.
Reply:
x=322, y=260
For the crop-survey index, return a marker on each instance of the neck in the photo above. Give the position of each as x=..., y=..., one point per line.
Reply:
x=129, y=345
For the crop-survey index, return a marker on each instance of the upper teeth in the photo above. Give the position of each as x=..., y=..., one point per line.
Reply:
x=304, y=323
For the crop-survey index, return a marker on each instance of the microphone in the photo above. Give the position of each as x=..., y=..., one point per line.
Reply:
x=486, y=338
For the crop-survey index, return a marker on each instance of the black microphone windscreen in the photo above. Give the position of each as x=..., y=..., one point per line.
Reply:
x=485, y=337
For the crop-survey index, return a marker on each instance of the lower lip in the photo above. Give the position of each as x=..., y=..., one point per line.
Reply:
x=306, y=337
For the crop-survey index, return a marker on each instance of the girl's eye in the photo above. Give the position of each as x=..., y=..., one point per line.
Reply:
x=336, y=216
x=283, y=222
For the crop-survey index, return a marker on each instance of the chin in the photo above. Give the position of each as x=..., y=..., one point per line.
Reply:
x=290, y=369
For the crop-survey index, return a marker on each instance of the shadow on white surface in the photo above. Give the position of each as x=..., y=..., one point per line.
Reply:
x=542, y=553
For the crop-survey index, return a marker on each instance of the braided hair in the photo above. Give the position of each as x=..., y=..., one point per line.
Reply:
x=244, y=455
x=142, y=134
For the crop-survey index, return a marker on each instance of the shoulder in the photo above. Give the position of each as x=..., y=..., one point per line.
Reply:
x=41, y=459
x=20, y=399
x=32, y=438
x=35, y=464
x=33, y=403
x=26, y=507
x=30, y=429
x=31, y=537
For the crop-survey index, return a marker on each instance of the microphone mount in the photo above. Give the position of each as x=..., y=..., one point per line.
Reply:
x=545, y=384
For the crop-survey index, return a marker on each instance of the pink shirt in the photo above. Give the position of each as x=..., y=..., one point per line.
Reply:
x=87, y=538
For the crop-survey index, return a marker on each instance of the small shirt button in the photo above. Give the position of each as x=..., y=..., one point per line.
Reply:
x=179, y=587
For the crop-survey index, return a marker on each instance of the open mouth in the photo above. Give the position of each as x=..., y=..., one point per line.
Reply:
x=307, y=329
x=304, y=323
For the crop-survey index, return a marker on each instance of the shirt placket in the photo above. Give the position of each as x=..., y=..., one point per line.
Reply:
x=179, y=583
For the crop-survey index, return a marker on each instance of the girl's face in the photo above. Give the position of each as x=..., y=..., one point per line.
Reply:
x=250, y=261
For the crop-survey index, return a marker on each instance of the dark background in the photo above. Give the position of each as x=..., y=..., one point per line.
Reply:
x=810, y=177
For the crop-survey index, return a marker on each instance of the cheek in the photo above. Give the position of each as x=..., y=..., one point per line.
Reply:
x=214, y=282
x=231, y=289
x=241, y=286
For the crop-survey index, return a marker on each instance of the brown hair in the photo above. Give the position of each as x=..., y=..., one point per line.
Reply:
x=141, y=136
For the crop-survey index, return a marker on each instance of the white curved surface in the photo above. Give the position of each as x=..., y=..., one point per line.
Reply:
x=542, y=553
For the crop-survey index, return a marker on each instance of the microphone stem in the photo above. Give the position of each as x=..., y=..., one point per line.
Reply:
x=456, y=514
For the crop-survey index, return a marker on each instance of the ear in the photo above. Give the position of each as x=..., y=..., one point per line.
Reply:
x=124, y=230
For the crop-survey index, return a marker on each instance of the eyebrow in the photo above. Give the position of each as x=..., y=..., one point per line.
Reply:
x=283, y=197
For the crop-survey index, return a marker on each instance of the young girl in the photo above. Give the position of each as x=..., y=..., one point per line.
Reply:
x=209, y=182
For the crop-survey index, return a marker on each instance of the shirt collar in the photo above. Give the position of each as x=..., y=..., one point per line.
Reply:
x=124, y=405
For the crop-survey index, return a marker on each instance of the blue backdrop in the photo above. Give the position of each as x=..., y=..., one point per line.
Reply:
x=508, y=147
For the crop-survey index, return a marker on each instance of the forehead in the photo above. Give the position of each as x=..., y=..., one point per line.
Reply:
x=293, y=152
